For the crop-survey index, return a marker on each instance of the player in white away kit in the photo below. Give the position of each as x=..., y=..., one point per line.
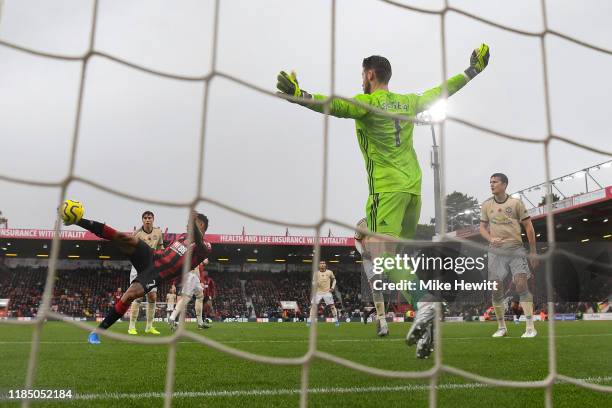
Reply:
x=153, y=237
x=501, y=217
x=193, y=287
x=170, y=301
x=326, y=284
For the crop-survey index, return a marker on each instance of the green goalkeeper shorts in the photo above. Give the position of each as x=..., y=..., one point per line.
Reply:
x=396, y=214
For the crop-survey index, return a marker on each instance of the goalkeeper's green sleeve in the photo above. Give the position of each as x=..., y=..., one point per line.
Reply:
x=431, y=96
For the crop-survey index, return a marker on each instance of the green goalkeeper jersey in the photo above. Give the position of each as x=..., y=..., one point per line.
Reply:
x=386, y=143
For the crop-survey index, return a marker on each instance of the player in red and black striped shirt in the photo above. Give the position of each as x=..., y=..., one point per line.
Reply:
x=153, y=266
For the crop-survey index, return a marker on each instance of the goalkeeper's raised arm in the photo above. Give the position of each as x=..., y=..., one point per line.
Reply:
x=376, y=75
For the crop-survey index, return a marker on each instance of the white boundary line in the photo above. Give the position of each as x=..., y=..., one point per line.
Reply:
x=295, y=391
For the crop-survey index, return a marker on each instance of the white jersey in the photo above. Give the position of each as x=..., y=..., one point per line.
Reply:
x=192, y=284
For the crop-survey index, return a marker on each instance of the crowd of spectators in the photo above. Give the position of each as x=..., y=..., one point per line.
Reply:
x=24, y=286
x=266, y=290
x=228, y=301
x=90, y=293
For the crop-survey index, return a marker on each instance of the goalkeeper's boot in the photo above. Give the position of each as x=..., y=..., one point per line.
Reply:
x=133, y=332
x=152, y=330
x=529, y=333
x=423, y=319
x=501, y=332
x=424, y=345
x=93, y=338
x=382, y=329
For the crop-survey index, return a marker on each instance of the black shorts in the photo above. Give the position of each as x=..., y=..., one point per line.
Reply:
x=206, y=298
x=142, y=258
x=149, y=278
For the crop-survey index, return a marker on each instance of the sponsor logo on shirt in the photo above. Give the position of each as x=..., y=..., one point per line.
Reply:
x=178, y=247
x=394, y=106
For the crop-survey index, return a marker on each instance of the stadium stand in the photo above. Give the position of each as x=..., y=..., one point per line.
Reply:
x=89, y=292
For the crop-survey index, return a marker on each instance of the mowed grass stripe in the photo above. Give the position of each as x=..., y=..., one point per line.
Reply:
x=281, y=392
x=320, y=340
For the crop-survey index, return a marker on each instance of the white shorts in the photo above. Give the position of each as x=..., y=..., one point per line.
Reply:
x=325, y=296
x=501, y=265
x=170, y=306
x=192, y=286
x=133, y=274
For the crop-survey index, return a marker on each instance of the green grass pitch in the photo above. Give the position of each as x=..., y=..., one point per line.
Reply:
x=118, y=374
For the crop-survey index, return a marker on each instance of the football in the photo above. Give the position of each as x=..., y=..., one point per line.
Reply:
x=71, y=212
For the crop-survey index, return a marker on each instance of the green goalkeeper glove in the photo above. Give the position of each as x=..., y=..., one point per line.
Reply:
x=288, y=85
x=478, y=61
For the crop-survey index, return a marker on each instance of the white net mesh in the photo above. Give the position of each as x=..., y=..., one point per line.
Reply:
x=304, y=361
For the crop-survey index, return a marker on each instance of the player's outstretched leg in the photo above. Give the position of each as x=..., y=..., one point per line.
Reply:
x=101, y=230
x=125, y=242
x=121, y=306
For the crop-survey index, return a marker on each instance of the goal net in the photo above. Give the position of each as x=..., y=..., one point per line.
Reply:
x=213, y=72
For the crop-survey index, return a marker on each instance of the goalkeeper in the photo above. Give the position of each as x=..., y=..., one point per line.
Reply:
x=394, y=176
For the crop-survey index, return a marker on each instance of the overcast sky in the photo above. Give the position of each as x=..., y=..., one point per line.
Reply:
x=139, y=133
